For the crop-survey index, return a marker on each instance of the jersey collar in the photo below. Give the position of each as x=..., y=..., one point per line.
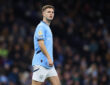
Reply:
x=45, y=23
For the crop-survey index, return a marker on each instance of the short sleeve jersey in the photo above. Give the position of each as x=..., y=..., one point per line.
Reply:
x=42, y=32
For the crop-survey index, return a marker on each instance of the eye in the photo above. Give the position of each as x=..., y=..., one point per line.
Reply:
x=49, y=12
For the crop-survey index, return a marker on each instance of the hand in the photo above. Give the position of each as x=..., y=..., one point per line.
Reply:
x=50, y=62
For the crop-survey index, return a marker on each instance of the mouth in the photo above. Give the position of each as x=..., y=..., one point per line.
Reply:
x=50, y=16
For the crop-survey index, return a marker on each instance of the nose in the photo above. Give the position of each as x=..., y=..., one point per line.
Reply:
x=51, y=14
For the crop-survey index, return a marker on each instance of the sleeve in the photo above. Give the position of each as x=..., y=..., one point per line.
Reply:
x=40, y=33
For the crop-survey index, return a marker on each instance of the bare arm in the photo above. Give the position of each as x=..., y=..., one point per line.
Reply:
x=44, y=50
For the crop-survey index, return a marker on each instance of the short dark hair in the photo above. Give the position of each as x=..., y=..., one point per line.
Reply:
x=47, y=6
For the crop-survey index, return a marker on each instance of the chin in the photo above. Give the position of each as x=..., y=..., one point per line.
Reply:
x=50, y=19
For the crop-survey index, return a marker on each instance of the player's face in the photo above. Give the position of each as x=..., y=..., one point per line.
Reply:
x=48, y=14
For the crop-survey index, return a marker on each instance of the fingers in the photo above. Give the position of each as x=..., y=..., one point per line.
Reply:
x=51, y=64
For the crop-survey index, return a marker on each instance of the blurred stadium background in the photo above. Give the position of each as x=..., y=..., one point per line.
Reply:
x=81, y=30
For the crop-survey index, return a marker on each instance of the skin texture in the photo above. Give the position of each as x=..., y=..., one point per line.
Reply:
x=48, y=16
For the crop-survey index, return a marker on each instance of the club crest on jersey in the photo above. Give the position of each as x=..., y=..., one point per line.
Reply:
x=40, y=32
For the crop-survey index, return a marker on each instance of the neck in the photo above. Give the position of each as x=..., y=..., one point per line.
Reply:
x=47, y=21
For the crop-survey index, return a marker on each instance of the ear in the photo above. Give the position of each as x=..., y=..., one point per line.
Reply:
x=43, y=13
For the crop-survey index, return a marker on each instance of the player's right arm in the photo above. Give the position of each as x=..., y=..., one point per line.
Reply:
x=44, y=51
x=40, y=35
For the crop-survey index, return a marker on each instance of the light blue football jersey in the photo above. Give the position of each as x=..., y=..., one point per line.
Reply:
x=42, y=32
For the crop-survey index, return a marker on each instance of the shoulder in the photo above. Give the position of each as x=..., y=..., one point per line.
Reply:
x=41, y=26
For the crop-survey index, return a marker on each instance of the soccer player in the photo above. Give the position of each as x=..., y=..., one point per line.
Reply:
x=43, y=67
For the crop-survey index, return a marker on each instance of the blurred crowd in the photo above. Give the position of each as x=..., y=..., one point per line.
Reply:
x=81, y=32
